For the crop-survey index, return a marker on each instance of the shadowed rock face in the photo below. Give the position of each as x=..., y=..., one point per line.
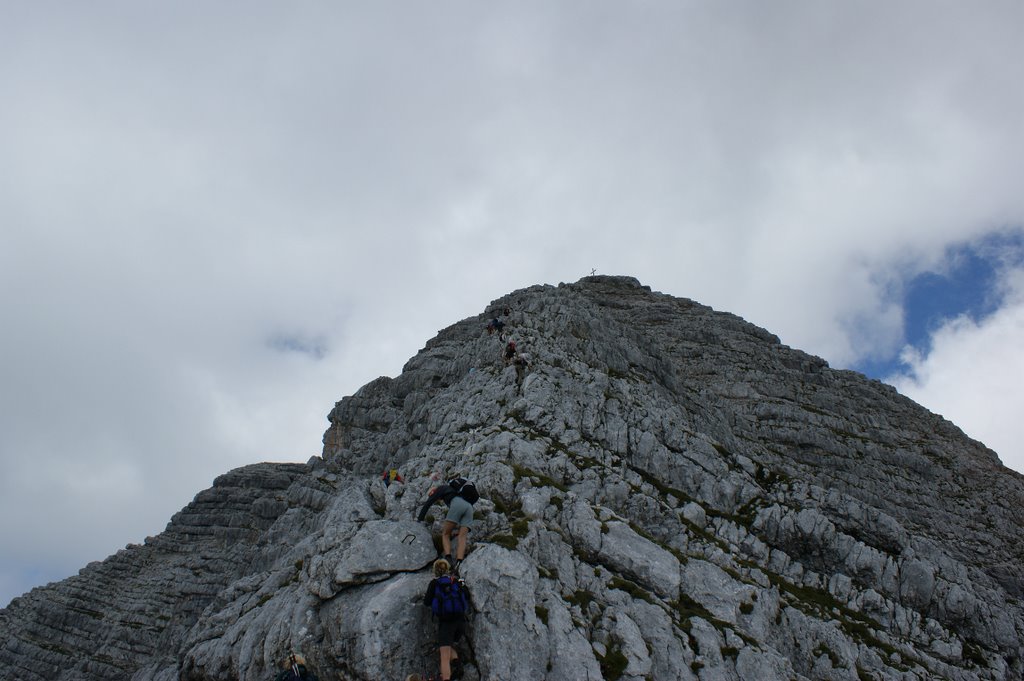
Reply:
x=670, y=493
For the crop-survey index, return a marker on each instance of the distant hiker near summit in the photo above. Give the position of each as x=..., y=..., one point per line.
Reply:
x=510, y=352
x=495, y=326
x=522, y=364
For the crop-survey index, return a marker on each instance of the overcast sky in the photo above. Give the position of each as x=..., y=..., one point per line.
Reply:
x=217, y=219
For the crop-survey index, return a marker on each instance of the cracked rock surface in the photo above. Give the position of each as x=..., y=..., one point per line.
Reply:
x=667, y=493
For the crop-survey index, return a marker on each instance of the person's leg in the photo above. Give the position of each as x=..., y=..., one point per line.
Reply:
x=464, y=518
x=456, y=637
x=446, y=662
x=446, y=537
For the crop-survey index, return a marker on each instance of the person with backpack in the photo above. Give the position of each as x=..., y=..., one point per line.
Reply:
x=510, y=352
x=448, y=600
x=293, y=668
x=522, y=364
x=495, y=325
x=460, y=495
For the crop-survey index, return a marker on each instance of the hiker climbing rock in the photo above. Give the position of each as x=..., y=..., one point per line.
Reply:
x=522, y=364
x=448, y=600
x=293, y=668
x=495, y=325
x=391, y=476
x=460, y=495
x=510, y=352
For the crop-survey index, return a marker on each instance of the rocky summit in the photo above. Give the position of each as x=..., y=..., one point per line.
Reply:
x=667, y=492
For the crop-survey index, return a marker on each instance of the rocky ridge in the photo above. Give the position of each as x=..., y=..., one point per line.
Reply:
x=670, y=493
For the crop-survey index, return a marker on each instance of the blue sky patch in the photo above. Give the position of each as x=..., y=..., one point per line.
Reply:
x=312, y=347
x=967, y=285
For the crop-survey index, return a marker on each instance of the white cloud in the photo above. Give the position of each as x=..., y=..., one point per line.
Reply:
x=180, y=189
x=974, y=375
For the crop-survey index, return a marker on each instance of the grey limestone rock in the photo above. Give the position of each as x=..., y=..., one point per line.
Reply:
x=668, y=493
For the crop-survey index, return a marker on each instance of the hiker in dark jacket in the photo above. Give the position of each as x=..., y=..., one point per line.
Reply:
x=460, y=495
x=495, y=325
x=450, y=626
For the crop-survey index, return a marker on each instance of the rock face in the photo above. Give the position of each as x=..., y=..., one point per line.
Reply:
x=668, y=493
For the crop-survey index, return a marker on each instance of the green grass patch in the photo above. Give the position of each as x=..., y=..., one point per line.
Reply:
x=823, y=649
x=581, y=598
x=613, y=664
x=546, y=573
x=506, y=540
x=632, y=588
x=974, y=655
x=94, y=614
x=818, y=602
x=510, y=511
x=520, y=528
x=521, y=472
x=769, y=478
x=685, y=608
x=747, y=513
x=663, y=489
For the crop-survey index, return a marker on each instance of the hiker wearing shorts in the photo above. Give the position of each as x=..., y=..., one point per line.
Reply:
x=460, y=495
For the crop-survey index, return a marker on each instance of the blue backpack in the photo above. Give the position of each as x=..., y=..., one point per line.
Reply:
x=449, y=598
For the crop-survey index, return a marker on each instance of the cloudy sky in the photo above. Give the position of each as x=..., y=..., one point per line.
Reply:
x=217, y=219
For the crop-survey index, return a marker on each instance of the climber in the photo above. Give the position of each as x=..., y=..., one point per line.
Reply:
x=510, y=352
x=448, y=599
x=522, y=363
x=460, y=495
x=495, y=325
x=391, y=476
x=293, y=668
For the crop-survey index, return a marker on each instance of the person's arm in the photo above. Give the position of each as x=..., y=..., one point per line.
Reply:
x=428, y=598
x=434, y=498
